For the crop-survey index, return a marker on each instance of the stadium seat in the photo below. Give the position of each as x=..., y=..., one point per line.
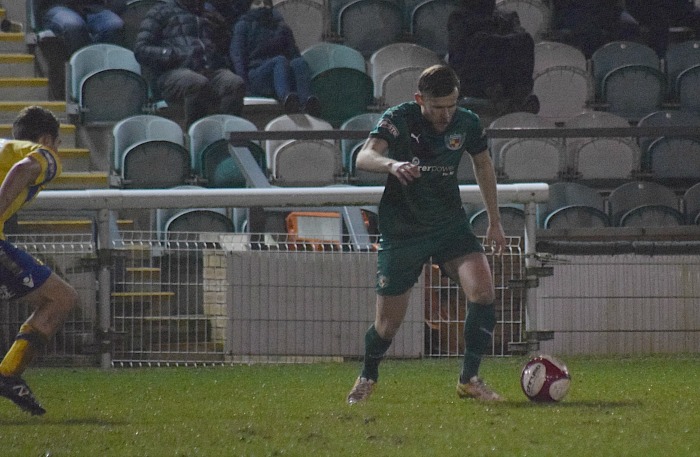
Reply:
x=531, y=159
x=395, y=56
x=688, y=89
x=398, y=86
x=305, y=163
x=301, y=162
x=554, y=54
x=195, y=220
x=308, y=19
x=367, y=25
x=606, y=161
x=534, y=15
x=663, y=118
x=679, y=57
x=365, y=121
x=514, y=120
x=210, y=150
x=149, y=152
x=691, y=204
x=563, y=91
x=637, y=203
x=429, y=24
x=576, y=216
x=512, y=220
x=617, y=54
x=651, y=216
x=340, y=80
x=633, y=91
x=105, y=84
x=674, y=160
x=591, y=119
x=565, y=194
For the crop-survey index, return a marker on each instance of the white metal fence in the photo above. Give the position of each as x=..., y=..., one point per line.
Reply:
x=208, y=298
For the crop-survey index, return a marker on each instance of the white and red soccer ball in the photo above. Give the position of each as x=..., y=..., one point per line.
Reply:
x=545, y=379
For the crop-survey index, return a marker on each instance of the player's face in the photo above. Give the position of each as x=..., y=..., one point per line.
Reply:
x=438, y=110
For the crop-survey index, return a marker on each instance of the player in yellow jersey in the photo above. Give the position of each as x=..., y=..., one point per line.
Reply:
x=27, y=164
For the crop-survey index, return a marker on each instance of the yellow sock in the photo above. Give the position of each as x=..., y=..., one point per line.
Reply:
x=22, y=352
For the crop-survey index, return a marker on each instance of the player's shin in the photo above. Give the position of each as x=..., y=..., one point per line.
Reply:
x=478, y=332
x=375, y=348
x=27, y=344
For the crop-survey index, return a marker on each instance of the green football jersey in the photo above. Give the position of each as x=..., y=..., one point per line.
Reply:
x=432, y=201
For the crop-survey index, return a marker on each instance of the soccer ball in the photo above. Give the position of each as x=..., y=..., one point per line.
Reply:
x=545, y=379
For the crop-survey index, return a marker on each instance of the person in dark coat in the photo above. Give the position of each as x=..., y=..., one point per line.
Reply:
x=493, y=56
x=176, y=44
x=263, y=51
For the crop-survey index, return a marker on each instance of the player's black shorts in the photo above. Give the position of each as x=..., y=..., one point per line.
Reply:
x=20, y=273
x=399, y=263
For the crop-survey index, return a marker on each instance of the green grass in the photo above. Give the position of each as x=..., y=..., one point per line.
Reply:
x=637, y=406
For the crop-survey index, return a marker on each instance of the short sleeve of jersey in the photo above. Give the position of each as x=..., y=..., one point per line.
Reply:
x=392, y=124
x=50, y=167
x=475, y=138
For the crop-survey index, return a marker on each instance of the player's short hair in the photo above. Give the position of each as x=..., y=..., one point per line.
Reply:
x=33, y=122
x=438, y=81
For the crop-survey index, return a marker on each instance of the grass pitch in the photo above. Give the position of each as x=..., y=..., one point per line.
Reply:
x=641, y=406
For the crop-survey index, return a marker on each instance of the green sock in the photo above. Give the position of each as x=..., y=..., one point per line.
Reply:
x=375, y=348
x=478, y=332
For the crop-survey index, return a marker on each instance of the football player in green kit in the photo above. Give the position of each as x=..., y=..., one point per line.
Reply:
x=419, y=145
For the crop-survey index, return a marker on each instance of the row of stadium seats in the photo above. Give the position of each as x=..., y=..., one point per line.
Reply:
x=622, y=77
x=598, y=161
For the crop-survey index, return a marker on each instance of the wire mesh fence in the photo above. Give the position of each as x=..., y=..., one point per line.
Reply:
x=214, y=298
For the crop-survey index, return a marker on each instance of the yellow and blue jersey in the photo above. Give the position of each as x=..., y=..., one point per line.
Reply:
x=11, y=152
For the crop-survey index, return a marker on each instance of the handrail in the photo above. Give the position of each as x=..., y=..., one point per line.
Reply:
x=501, y=132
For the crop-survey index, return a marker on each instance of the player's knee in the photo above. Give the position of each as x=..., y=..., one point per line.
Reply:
x=66, y=299
x=485, y=296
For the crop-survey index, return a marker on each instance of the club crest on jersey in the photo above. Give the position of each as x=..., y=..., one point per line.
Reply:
x=454, y=141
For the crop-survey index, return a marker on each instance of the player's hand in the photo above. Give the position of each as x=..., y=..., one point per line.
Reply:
x=405, y=171
x=496, y=238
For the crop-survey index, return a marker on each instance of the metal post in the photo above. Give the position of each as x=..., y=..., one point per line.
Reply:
x=104, y=245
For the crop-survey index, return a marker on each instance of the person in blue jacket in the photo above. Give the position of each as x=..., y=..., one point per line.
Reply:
x=264, y=53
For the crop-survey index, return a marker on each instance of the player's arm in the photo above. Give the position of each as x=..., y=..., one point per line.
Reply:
x=373, y=157
x=22, y=175
x=486, y=178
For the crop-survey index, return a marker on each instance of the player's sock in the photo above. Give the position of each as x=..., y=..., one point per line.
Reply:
x=375, y=348
x=478, y=331
x=28, y=343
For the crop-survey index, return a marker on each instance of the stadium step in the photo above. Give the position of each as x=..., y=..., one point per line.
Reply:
x=24, y=88
x=66, y=133
x=9, y=109
x=75, y=180
x=16, y=65
x=12, y=42
x=67, y=225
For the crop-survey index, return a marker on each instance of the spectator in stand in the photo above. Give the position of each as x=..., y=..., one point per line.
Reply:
x=493, y=56
x=176, y=44
x=657, y=16
x=264, y=53
x=82, y=22
x=224, y=14
x=589, y=24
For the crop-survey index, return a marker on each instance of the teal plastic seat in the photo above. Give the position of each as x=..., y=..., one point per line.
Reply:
x=210, y=150
x=367, y=25
x=340, y=80
x=429, y=24
x=149, y=152
x=105, y=84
